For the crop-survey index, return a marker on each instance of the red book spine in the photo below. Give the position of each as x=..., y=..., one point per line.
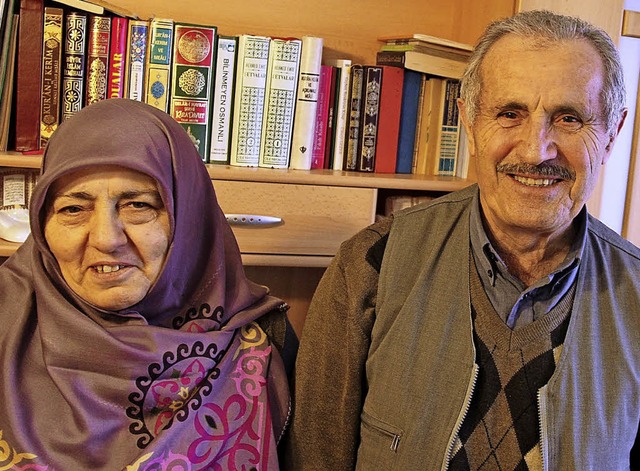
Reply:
x=28, y=76
x=322, y=116
x=117, y=57
x=331, y=119
x=389, y=119
x=98, y=58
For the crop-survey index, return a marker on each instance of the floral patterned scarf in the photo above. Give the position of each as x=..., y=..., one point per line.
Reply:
x=184, y=380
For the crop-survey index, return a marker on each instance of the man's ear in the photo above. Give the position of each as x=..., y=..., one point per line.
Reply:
x=614, y=136
x=467, y=126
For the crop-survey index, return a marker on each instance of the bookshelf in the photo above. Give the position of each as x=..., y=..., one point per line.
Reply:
x=350, y=30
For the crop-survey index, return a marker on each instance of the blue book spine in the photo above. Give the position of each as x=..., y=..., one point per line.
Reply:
x=408, y=120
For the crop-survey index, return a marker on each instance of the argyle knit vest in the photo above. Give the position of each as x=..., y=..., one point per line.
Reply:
x=501, y=428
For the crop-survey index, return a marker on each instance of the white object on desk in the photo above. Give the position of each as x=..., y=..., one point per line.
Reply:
x=14, y=225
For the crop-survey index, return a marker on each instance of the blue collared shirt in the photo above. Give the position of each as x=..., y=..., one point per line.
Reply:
x=517, y=304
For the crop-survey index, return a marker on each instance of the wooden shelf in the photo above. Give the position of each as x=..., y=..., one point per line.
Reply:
x=16, y=159
x=299, y=177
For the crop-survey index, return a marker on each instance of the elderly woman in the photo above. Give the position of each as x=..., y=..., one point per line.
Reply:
x=131, y=338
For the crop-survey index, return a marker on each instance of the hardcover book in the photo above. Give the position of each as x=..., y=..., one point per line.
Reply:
x=389, y=119
x=331, y=118
x=408, y=120
x=443, y=65
x=322, y=117
x=136, y=58
x=75, y=53
x=222, y=111
x=191, y=82
x=98, y=58
x=251, y=80
x=306, y=103
x=447, y=149
x=372, y=80
x=9, y=46
x=117, y=57
x=28, y=76
x=427, y=137
x=158, y=68
x=280, y=99
x=340, y=119
x=51, y=73
x=354, y=112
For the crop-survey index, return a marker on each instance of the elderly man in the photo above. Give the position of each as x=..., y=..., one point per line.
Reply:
x=497, y=327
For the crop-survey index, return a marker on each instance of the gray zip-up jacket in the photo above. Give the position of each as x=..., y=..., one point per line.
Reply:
x=386, y=366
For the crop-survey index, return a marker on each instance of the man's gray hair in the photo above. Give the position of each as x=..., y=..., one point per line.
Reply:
x=547, y=26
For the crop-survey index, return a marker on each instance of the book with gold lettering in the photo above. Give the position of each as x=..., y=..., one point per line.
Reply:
x=158, y=69
x=192, y=81
x=280, y=100
x=74, y=55
x=117, y=57
x=251, y=81
x=98, y=58
x=222, y=108
x=51, y=73
x=136, y=59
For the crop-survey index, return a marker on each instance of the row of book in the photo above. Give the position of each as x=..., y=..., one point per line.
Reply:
x=245, y=100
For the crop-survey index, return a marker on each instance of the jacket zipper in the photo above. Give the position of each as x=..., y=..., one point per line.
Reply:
x=461, y=417
x=542, y=424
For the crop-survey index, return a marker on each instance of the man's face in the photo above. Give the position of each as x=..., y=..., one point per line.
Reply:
x=539, y=139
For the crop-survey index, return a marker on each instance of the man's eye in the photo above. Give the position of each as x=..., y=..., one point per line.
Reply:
x=569, y=122
x=507, y=119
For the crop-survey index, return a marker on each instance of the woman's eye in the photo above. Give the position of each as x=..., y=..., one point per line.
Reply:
x=70, y=209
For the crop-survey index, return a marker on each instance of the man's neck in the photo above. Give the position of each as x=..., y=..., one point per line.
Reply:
x=529, y=258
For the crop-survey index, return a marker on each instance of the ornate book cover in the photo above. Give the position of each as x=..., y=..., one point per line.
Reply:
x=28, y=75
x=280, y=98
x=158, y=80
x=117, y=57
x=75, y=53
x=192, y=82
x=136, y=58
x=51, y=73
x=354, y=115
x=322, y=117
x=251, y=80
x=389, y=119
x=306, y=103
x=98, y=58
x=372, y=78
x=222, y=111
x=341, y=118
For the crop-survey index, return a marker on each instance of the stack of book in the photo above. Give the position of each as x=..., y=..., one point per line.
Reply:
x=244, y=100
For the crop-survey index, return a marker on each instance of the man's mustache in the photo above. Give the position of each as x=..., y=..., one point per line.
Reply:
x=542, y=170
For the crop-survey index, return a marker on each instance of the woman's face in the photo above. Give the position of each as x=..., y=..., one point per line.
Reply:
x=109, y=232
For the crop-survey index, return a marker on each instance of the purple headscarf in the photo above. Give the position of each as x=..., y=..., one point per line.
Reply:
x=184, y=379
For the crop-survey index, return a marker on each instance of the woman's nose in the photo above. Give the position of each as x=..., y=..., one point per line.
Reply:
x=107, y=231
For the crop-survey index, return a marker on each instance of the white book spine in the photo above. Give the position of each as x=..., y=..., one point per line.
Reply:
x=341, y=112
x=248, y=103
x=280, y=100
x=306, y=103
x=222, y=100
